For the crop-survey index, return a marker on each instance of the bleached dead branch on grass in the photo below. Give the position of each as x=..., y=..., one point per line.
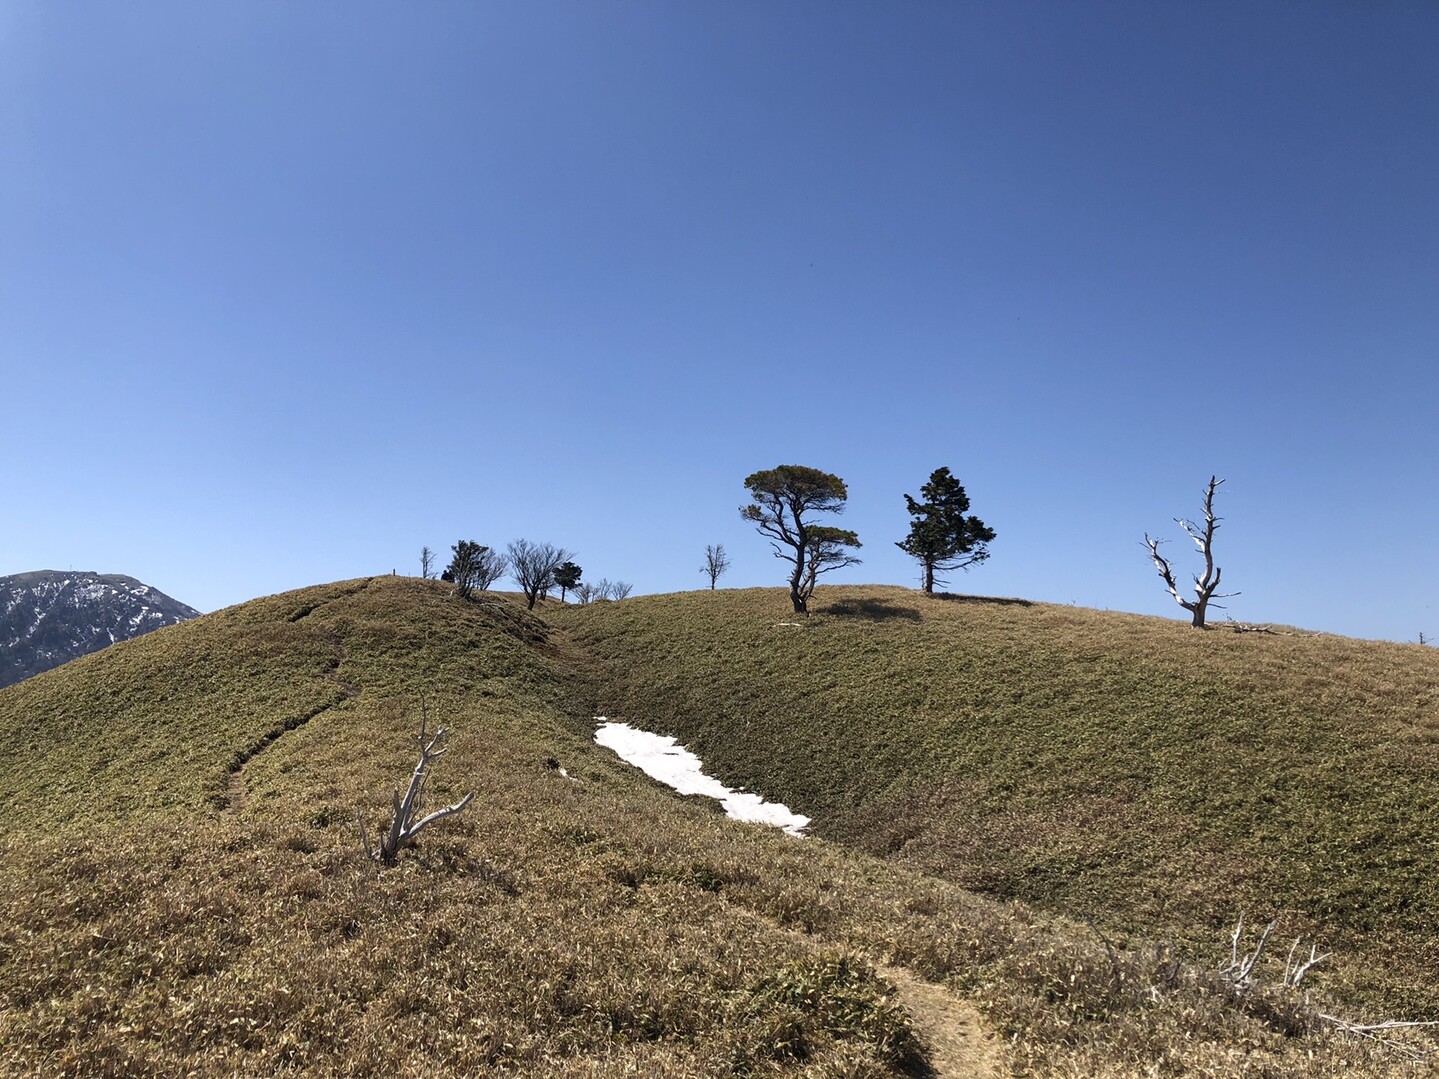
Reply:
x=403, y=827
x=1241, y=976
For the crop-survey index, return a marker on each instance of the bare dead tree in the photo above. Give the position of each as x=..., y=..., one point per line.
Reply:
x=403, y=827
x=533, y=567
x=427, y=563
x=1239, y=971
x=715, y=562
x=621, y=589
x=1206, y=586
x=489, y=567
x=584, y=592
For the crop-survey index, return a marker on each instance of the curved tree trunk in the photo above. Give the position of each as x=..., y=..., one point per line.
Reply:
x=796, y=580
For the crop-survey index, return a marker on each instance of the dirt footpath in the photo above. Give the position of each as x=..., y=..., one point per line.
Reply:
x=958, y=1044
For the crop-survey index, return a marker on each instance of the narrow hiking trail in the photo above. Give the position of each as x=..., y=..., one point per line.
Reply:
x=958, y=1043
x=235, y=794
x=956, y=1040
x=235, y=791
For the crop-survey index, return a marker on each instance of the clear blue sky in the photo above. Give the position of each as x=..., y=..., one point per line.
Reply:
x=288, y=291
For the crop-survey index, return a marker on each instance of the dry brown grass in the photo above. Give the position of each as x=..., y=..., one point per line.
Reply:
x=589, y=927
x=1158, y=779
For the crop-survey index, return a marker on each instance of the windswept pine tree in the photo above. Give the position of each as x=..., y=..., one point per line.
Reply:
x=784, y=500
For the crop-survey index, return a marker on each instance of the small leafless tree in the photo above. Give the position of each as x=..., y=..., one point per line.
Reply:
x=403, y=827
x=1242, y=976
x=715, y=563
x=1205, y=587
x=606, y=589
x=533, y=567
x=427, y=563
x=584, y=592
x=490, y=566
x=1241, y=973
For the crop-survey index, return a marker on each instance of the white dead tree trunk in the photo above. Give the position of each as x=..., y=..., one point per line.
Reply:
x=1205, y=587
x=403, y=827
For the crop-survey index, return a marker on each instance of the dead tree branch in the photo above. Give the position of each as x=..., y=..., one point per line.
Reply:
x=1294, y=971
x=1239, y=971
x=1379, y=1032
x=403, y=827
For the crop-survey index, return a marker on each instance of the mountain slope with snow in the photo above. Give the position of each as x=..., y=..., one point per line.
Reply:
x=48, y=617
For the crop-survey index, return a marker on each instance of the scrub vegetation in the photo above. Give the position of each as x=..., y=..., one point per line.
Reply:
x=183, y=891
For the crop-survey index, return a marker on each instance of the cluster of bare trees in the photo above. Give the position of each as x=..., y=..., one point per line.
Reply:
x=533, y=566
x=537, y=568
x=603, y=589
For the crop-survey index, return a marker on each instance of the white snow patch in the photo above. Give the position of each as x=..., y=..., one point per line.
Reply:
x=662, y=758
x=93, y=592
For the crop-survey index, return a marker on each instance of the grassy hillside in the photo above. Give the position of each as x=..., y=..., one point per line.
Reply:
x=181, y=890
x=1131, y=769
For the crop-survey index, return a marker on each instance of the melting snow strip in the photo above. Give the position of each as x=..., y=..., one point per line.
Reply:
x=661, y=757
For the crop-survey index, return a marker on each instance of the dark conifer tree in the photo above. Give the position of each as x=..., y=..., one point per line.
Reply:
x=464, y=568
x=941, y=537
x=567, y=576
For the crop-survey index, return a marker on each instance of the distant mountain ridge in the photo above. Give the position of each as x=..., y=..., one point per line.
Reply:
x=48, y=617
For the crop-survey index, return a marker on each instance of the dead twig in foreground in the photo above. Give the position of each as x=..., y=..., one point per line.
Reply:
x=403, y=827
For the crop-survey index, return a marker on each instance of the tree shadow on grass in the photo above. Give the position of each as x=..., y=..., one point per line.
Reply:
x=875, y=610
x=1000, y=601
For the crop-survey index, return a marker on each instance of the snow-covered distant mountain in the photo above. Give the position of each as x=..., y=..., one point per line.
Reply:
x=48, y=618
